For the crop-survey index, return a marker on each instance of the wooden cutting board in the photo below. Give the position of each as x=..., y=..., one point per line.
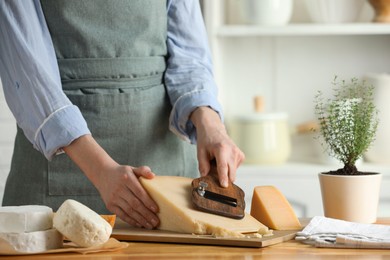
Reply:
x=127, y=233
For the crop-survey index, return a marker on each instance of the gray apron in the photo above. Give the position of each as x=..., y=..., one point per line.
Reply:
x=111, y=56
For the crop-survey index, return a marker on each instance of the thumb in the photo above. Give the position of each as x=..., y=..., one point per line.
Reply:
x=143, y=171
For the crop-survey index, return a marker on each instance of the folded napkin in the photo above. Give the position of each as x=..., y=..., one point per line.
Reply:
x=328, y=232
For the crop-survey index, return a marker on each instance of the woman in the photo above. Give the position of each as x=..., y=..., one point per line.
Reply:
x=104, y=81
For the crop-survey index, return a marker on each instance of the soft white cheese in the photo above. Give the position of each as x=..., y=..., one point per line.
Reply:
x=29, y=218
x=81, y=225
x=32, y=242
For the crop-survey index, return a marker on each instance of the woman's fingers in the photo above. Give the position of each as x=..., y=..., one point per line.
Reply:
x=137, y=203
x=218, y=146
x=125, y=217
x=203, y=161
x=234, y=160
x=223, y=176
x=135, y=186
x=124, y=195
x=137, y=214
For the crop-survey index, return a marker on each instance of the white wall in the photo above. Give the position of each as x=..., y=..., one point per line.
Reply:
x=7, y=135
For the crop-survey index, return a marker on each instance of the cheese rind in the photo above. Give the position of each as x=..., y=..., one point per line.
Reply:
x=31, y=242
x=270, y=207
x=110, y=219
x=177, y=213
x=81, y=225
x=29, y=218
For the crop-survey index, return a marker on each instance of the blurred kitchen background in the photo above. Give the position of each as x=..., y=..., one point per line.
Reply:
x=270, y=59
x=285, y=53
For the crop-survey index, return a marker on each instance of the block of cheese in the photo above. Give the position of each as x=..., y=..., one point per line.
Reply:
x=177, y=213
x=81, y=225
x=29, y=218
x=31, y=242
x=270, y=207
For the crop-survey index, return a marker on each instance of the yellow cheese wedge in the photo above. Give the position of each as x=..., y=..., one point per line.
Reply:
x=177, y=213
x=271, y=208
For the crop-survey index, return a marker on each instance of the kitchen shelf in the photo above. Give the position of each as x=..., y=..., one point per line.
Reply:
x=304, y=29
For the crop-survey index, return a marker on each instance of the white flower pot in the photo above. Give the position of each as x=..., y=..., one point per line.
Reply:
x=352, y=198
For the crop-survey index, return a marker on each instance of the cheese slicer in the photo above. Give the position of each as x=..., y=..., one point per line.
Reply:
x=209, y=196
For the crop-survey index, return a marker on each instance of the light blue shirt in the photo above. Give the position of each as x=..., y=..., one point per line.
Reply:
x=32, y=84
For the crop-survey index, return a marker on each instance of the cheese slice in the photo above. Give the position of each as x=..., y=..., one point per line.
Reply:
x=29, y=218
x=177, y=213
x=270, y=207
x=81, y=225
x=31, y=242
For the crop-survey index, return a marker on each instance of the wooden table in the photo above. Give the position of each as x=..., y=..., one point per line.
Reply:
x=287, y=250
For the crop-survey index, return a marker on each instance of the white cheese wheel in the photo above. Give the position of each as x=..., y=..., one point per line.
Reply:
x=32, y=242
x=29, y=218
x=177, y=212
x=81, y=225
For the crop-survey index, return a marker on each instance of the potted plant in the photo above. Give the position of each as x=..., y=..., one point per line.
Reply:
x=348, y=123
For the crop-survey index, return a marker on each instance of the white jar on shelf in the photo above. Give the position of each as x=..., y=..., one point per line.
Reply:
x=263, y=137
x=267, y=12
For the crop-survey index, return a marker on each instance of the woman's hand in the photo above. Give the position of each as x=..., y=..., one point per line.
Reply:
x=118, y=185
x=123, y=195
x=213, y=142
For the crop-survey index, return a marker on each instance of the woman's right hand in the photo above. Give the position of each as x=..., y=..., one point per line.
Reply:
x=118, y=185
x=124, y=195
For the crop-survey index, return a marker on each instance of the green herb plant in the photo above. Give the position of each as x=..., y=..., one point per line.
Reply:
x=348, y=122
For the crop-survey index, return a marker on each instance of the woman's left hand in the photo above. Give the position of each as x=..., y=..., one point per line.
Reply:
x=213, y=142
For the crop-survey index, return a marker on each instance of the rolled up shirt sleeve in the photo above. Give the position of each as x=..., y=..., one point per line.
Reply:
x=189, y=77
x=31, y=80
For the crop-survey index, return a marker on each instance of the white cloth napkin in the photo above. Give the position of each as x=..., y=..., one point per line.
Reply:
x=328, y=232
